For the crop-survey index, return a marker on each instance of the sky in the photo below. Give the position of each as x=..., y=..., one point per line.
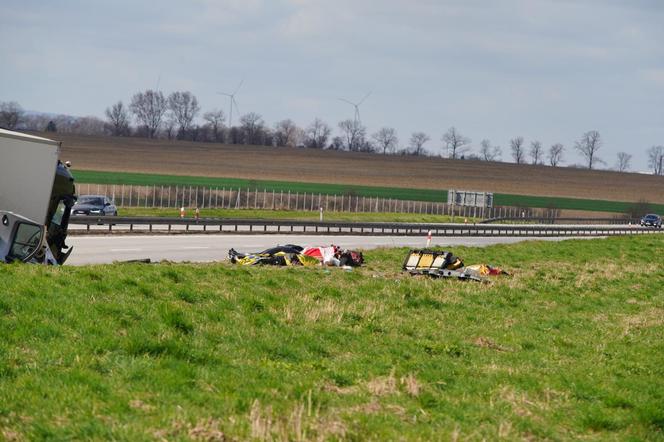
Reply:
x=547, y=70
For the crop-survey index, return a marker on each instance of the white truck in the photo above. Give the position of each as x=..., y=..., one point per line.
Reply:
x=36, y=195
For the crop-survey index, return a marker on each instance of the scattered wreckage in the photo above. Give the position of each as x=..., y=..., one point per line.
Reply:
x=436, y=264
x=441, y=264
x=294, y=255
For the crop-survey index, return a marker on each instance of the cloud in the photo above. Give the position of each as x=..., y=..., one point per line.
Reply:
x=654, y=77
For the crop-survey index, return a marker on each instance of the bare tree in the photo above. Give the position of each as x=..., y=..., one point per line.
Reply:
x=455, y=143
x=337, y=143
x=149, y=108
x=489, y=152
x=354, y=134
x=588, y=145
x=317, y=134
x=253, y=128
x=87, y=126
x=184, y=108
x=518, y=151
x=285, y=133
x=11, y=114
x=386, y=139
x=417, y=142
x=536, y=153
x=556, y=154
x=215, y=119
x=169, y=126
x=656, y=159
x=118, y=119
x=623, y=161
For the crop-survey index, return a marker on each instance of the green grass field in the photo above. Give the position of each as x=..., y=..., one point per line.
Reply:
x=293, y=215
x=570, y=347
x=96, y=177
x=139, y=179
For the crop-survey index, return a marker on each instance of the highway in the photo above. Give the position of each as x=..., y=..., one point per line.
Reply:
x=105, y=249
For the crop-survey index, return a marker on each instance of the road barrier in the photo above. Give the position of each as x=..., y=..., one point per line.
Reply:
x=146, y=225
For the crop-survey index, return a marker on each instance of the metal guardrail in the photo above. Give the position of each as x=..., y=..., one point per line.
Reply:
x=263, y=226
x=575, y=221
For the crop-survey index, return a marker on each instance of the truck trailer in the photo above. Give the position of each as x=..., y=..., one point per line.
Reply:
x=36, y=195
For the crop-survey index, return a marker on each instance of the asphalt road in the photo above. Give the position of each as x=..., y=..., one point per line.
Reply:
x=207, y=248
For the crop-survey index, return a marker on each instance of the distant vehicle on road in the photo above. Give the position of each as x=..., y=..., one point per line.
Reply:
x=94, y=205
x=652, y=220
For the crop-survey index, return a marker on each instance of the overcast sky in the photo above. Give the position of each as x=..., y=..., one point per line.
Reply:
x=543, y=69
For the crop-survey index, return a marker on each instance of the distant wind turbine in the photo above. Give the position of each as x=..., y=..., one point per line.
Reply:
x=232, y=102
x=356, y=106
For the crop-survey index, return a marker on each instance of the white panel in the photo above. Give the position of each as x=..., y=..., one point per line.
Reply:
x=27, y=172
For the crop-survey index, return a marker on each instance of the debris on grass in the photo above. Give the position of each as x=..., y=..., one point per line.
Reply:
x=441, y=264
x=294, y=255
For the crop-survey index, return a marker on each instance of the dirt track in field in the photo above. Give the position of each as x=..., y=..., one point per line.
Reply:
x=323, y=166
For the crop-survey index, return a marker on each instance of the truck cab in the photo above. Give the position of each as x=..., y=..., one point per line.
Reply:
x=37, y=193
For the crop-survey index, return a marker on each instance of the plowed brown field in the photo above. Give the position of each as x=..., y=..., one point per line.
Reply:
x=323, y=166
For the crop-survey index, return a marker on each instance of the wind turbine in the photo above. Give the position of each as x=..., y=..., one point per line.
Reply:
x=232, y=102
x=356, y=106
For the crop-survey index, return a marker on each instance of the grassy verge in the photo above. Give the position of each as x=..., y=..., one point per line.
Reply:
x=98, y=177
x=569, y=347
x=293, y=215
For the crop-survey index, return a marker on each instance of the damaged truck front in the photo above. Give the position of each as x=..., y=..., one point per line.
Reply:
x=36, y=195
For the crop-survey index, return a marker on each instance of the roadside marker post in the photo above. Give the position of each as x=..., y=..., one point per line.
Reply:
x=197, y=213
x=182, y=212
x=429, y=239
x=321, y=214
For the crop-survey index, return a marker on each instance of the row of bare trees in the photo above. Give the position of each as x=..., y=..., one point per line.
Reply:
x=175, y=116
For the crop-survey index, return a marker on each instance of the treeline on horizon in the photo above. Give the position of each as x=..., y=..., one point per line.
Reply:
x=151, y=114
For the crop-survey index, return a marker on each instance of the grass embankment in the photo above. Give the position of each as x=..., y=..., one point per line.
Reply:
x=293, y=215
x=97, y=177
x=569, y=347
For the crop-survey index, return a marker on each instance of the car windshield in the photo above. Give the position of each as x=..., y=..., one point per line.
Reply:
x=91, y=200
x=651, y=216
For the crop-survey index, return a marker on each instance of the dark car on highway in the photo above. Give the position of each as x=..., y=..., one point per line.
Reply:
x=652, y=220
x=95, y=205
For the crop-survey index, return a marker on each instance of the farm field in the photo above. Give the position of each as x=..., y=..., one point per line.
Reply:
x=569, y=347
x=137, y=179
x=164, y=157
